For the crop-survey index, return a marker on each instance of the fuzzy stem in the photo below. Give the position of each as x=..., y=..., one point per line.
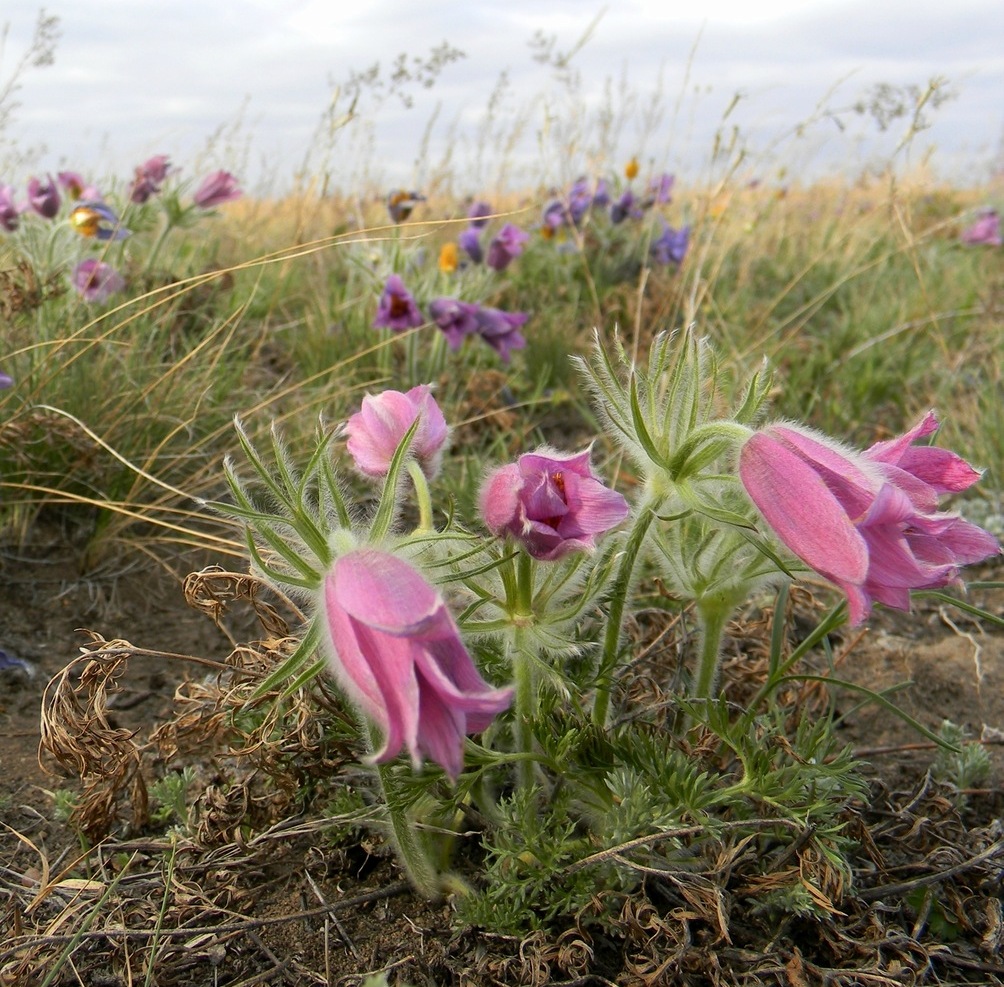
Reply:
x=615, y=616
x=713, y=613
x=421, y=485
x=411, y=851
x=524, y=710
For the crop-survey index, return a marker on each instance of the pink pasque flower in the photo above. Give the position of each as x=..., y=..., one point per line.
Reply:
x=377, y=429
x=217, y=188
x=95, y=280
x=985, y=232
x=551, y=503
x=43, y=196
x=148, y=178
x=867, y=521
x=396, y=651
x=10, y=212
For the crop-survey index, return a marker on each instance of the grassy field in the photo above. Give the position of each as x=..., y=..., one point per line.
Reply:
x=618, y=796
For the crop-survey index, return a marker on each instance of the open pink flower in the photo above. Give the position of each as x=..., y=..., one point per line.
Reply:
x=867, y=521
x=551, y=503
x=376, y=430
x=396, y=651
x=95, y=280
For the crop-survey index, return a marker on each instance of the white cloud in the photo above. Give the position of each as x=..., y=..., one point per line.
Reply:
x=132, y=79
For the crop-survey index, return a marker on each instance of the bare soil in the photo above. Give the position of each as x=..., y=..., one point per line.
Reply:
x=288, y=907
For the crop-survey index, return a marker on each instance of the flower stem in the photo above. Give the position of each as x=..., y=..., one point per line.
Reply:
x=524, y=710
x=713, y=613
x=421, y=485
x=615, y=616
x=162, y=236
x=412, y=852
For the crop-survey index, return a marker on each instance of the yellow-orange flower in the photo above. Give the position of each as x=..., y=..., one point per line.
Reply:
x=448, y=258
x=631, y=169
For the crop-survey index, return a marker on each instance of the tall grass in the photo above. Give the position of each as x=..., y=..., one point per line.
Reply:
x=855, y=288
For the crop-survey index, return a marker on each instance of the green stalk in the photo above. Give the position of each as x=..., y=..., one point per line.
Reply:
x=615, y=616
x=713, y=614
x=422, y=496
x=411, y=850
x=162, y=236
x=524, y=709
x=524, y=673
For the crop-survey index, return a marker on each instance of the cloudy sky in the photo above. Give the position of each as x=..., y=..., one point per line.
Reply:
x=248, y=84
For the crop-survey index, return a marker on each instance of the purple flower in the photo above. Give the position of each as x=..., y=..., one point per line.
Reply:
x=97, y=220
x=506, y=245
x=470, y=242
x=43, y=197
x=9, y=211
x=601, y=197
x=397, y=309
x=377, y=429
x=457, y=319
x=401, y=203
x=396, y=651
x=148, y=178
x=217, y=188
x=477, y=213
x=5, y=381
x=660, y=188
x=555, y=216
x=95, y=280
x=986, y=231
x=867, y=521
x=671, y=246
x=551, y=503
x=579, y=201
x=623, y=208
x=500, y=330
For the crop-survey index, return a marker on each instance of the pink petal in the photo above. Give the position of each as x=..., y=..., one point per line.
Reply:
x=384, y=591
x=500, y=499
x=803, y=512
x=892, y=450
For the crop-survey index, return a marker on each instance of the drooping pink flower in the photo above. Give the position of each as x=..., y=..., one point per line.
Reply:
x=376, y=430
x=986, y=231
x=95, y=280
x=397, y=309
x=43, y=196
x=867, y=521
x=507, y=244
x=396, y=651
x=217, y=188
x=551, y=503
